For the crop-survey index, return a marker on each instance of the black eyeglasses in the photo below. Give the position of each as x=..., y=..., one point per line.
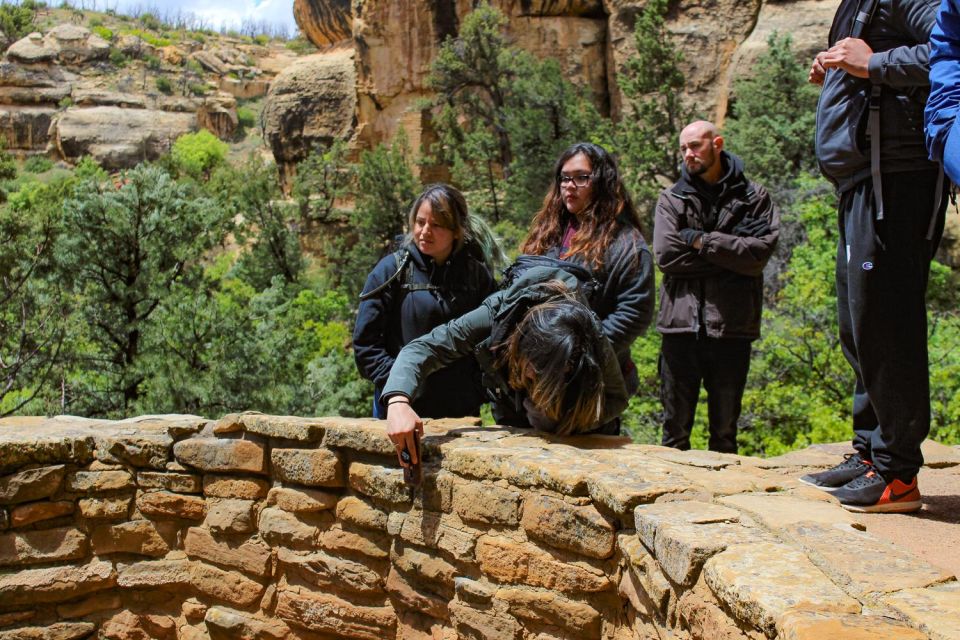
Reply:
x=579, y=181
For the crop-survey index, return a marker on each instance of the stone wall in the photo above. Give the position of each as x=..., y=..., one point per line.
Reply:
x=291, y=528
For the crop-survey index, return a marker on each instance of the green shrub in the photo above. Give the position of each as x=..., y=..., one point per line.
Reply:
x=261, y=39
x=300, y=46
x=198, y=88
x=152, y=62
x=96, y=21
x=164, y=85
x=197, y=153
x=150, y=38
x=118, y=58
x=247, y=117
x=103, y=32
x=150, y=21
x=194, y=66
x=65, y=102
x=37, y=164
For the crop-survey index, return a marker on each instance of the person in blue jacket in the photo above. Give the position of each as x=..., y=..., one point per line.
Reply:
x=940, y=116
x=438, y=274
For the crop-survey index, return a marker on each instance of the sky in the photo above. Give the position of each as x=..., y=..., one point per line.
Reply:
x=217, y=12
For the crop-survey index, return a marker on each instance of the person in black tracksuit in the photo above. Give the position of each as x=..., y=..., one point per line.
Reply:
x=444, y=277
x=713, y=232
x=890, y=216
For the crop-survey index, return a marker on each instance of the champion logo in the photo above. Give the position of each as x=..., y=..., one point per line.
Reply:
x=867, y=266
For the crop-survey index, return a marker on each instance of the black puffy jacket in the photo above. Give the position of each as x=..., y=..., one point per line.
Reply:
x=391, y=319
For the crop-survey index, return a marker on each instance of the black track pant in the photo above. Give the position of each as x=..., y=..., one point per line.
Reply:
x=722, y=365
x=882, y=270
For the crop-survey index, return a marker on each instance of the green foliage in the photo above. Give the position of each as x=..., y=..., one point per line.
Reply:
x=65, y=102
x=652, y=82
x=261, y=39
x=103, y=32
x=149, y=38
x=247, y=117
x=196, y=154
x=323, y=179
x=16, y=21
x=150, y=21
x=300, y=46
x=193, y=66
x=37, y=164
x=118, y=58
x=502, y=117
x=774, y=116
x=385, y=189
x=95, y=21
x=198, y=88
x=267, y=223
x=32, y=322
x=127, y=247
x=164, y=85
x=153, y=62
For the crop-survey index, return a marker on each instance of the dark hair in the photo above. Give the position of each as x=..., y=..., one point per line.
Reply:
x=560, y=342
x=602, y=218
x=449, y=207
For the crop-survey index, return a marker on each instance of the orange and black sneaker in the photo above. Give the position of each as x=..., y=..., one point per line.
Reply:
x=870, y=493
x=853, y=466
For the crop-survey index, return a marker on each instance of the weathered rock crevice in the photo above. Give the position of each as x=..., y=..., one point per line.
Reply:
x=285, y=528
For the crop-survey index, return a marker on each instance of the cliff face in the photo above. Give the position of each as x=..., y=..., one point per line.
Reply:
x=395, y=41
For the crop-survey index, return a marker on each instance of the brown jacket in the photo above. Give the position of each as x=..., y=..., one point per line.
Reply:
x=718, y=290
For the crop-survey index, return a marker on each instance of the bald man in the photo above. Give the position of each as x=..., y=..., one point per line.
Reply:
x=713, y=232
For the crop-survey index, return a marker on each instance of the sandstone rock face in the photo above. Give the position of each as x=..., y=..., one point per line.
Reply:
x=323, y=22
x=396, y=40
x=283, y=528
x=313, y=102
x=119, y=138
x=57, y=80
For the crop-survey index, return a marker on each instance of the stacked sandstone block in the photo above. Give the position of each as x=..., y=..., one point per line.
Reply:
x=285, y=528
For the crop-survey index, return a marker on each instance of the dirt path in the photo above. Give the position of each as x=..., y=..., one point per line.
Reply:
x=933, y=533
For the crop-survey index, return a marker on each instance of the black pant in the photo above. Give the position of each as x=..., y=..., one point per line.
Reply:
x=882, y=270
x=722, y=365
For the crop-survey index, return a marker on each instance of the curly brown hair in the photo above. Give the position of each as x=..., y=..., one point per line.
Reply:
x=601, y=220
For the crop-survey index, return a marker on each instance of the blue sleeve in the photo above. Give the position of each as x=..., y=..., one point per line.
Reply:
x=944, y=98
x=372, y=326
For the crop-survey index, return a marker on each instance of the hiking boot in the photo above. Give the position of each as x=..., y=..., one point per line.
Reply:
x=853, y=466
x=870, y=493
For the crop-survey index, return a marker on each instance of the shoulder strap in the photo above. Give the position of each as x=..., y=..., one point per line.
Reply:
x=402, y=256
x=864, y=16
x=860, y=23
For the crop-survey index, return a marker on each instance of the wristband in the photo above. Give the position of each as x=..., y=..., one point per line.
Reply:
x=401, y=401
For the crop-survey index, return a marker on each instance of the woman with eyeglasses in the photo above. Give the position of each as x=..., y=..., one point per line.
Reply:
x=588, y=218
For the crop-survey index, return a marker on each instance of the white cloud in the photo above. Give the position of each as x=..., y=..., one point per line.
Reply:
x=229, y=13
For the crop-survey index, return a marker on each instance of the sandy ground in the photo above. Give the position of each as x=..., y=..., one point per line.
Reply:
x=932, y=533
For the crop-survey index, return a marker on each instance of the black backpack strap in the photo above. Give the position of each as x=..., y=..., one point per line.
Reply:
x=864, y=15
x=402, y=257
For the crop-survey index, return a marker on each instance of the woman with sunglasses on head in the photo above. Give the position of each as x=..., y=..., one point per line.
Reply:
x=588, y=218
x=546, y=362
x=439, y=274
